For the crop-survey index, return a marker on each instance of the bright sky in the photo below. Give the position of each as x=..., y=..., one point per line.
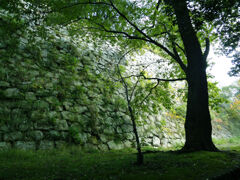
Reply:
x=220, y=69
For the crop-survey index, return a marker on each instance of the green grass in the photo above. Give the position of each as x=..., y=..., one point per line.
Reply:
x=72, y=163
x=231, y=144
x=232, y=140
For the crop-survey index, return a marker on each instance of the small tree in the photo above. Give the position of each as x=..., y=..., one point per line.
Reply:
x=142, y=93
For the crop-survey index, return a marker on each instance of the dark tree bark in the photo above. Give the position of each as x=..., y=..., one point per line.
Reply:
x=198, y=126
x=139, y=154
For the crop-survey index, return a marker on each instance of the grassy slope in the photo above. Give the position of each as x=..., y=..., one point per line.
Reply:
x=72, y=163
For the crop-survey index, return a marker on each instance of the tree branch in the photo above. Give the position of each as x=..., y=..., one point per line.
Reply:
x=165, y=80
x=136, y=83
x=150, y=92
x=84, y=3
x=158, y=4
x=178, y=59
x=183, y=50
x=124, y=84
x=145, y=36
x=206, y=52
x=158, y=79
x=149, y=39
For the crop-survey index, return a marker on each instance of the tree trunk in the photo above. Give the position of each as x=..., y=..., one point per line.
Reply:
x=198, y=128
x=139, y=150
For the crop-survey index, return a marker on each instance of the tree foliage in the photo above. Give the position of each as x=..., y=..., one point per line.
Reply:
x=229, y=112
x=224, y=16
x=178, y=31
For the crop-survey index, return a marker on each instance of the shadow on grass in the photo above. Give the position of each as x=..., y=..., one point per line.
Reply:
x=73, y=163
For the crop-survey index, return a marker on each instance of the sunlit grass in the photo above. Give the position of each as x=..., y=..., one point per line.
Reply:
x=232, y=140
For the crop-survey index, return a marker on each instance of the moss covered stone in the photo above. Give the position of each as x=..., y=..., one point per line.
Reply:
x=40, y=104
x=46, y=145
x=13, y=136
x=25, y=145
x=12, y=93
x=5, y=145
x=36, y=135
x=115, y=145
x=30, y=96
x=4, y=84
x=61, y=124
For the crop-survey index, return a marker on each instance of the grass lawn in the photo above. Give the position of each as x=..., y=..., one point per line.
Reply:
x=72, y=163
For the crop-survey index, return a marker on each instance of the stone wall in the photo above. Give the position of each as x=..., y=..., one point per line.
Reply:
x=49, y=102
x=55, y=96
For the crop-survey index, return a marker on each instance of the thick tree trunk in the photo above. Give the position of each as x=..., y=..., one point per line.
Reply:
x=198, y=126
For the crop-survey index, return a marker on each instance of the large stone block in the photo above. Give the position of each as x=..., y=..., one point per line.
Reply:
x=109, y=130
x=25, y=145
x=79, y=109
x=128, y=144
x=103, y=147
x=4, y=145
x=64, y=135
x=48, y=86
x=4, y=84
x=108, y=120
x=53, y=115
x=127, y=128
x=127, y=118
x=49, y=75
x=24, y=104
x=52, y=100
x=60, y=144
x=68, y=115
x=30, y=96
x=119, y=130
x=33, y=73
x=90, y=147
x=12, y=93
x=164, y=142
x=41, y=105
x=103, y=138
x=13, y=136
x=25, y=126
x=86, y=59
x=129, y=136
x=172, y=125
x=61, y=125
x=67, y=105
x=8, y=104
x=35, y=115
x=93, y=140
x=36, y=135
x=177, y=136
x=176, y=142
x=46, y=145
x=4, y=128
x=115, y=145
x=55, y=135
x=151, y=118
x=81, y=138
x=43, y=125
x=155, y=141
x=147, y=141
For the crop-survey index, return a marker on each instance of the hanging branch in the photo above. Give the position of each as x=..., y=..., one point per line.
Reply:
x=206, y=52
x=145, y=37
x=150, y=92
x=83, y=3
x=158, y=79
